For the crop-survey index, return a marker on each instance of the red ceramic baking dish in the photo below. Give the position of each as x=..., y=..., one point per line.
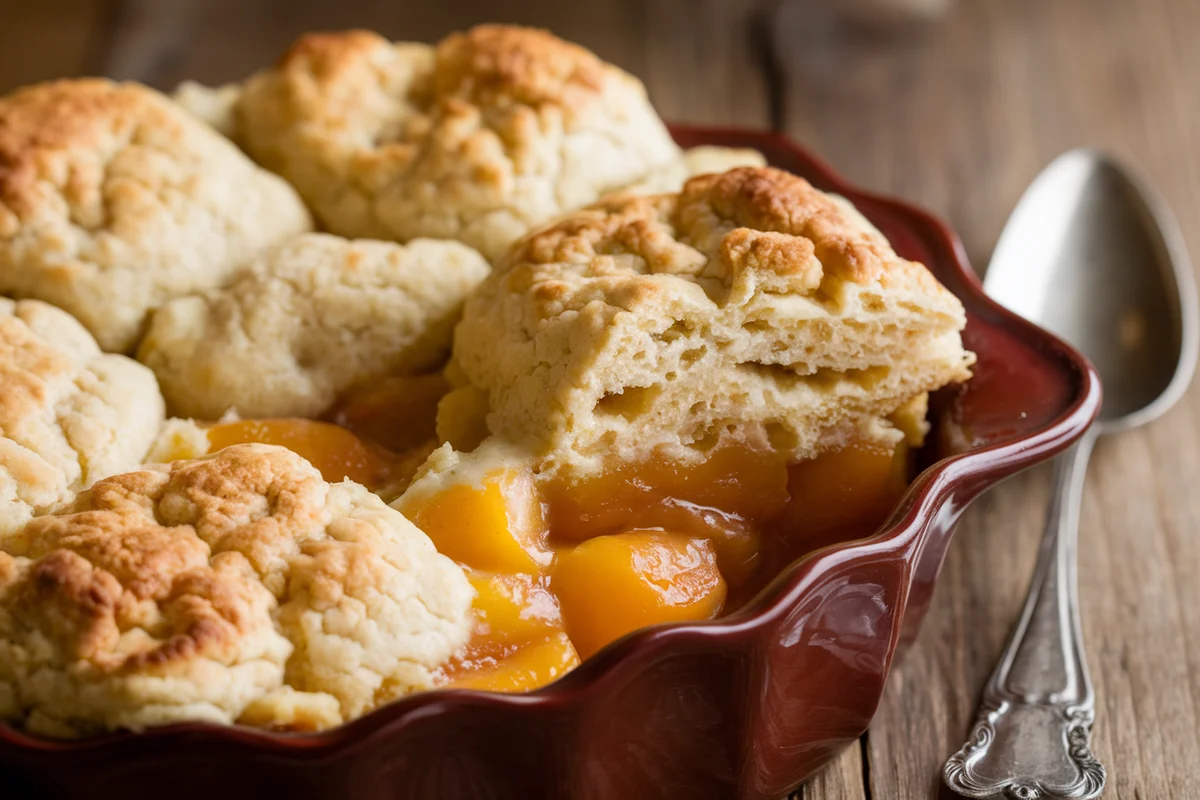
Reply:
x=748, y=706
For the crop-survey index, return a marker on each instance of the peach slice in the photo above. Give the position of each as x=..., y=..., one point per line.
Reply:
x=733, y=482
x=852, y=487
x=496, y=527
x=335, y=451
x=528, y=668
x=514, y=607
x=611, y=585
x=462, y=418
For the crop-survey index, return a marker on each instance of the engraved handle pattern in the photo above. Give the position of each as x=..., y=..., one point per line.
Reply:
x=1031, y=739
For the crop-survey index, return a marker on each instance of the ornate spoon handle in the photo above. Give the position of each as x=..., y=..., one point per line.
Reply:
x=1031, y=739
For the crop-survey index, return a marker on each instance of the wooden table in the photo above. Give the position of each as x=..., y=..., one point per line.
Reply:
x=958, y=115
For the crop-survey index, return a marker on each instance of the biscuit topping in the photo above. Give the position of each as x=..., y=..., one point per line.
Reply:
x=114, y=200
x=69, y=414
x=306, y=321
x=234, y=584
x=493, y=131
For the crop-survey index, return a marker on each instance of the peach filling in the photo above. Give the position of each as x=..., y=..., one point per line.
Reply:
x=612, y=585
x=564, y=569
x=518, y=643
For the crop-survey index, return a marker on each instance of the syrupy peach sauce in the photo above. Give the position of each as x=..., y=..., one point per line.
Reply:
x=640, y=545
x=399, y=413
x=563, y=568
x=758, y=512
x=335, y=451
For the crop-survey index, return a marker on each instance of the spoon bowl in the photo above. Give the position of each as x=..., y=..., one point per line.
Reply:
x=1090, y=254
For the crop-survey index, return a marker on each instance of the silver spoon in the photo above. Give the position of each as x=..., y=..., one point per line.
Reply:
x=1091, y=255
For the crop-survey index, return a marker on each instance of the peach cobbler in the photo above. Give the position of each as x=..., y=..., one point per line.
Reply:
x=578, y=383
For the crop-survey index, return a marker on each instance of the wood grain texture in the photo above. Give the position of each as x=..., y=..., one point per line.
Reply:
x=958, y=115
x=48, y=39
x=841, y=780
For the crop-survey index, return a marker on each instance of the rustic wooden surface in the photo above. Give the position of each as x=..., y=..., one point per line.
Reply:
x=957, y=114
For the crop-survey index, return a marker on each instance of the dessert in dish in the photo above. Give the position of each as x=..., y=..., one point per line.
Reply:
x=69, y=414
x=114, y=201
x=748, y=705
x=309, y=319
x=679, y=372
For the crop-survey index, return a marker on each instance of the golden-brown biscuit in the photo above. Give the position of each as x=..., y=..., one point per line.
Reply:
x=306, y=321
x=490, y=133
x=240, y=586
x=69, y=414
x=748, y=304
x=114, y=200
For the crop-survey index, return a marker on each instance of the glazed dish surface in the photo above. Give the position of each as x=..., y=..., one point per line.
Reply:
x=507, y=374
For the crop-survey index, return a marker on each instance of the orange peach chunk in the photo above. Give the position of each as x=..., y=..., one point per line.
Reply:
x=496, y=527
x=333, y=450
x=852, y=487
x=514, y=608
x=733, y=482
x=611, y=585
x=528, y=668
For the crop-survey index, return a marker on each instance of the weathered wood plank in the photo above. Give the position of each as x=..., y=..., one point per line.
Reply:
x=48, y=39
x=841, y=780
x=959, y=116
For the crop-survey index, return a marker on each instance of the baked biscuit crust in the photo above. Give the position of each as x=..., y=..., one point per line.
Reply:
x=238, y=584
x=493, y=131
x=306, y=321
x=114, y=200
x=69, y=414
x=750, y=304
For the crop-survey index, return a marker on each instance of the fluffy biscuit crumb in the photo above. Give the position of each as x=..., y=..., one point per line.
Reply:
x=749, y=303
